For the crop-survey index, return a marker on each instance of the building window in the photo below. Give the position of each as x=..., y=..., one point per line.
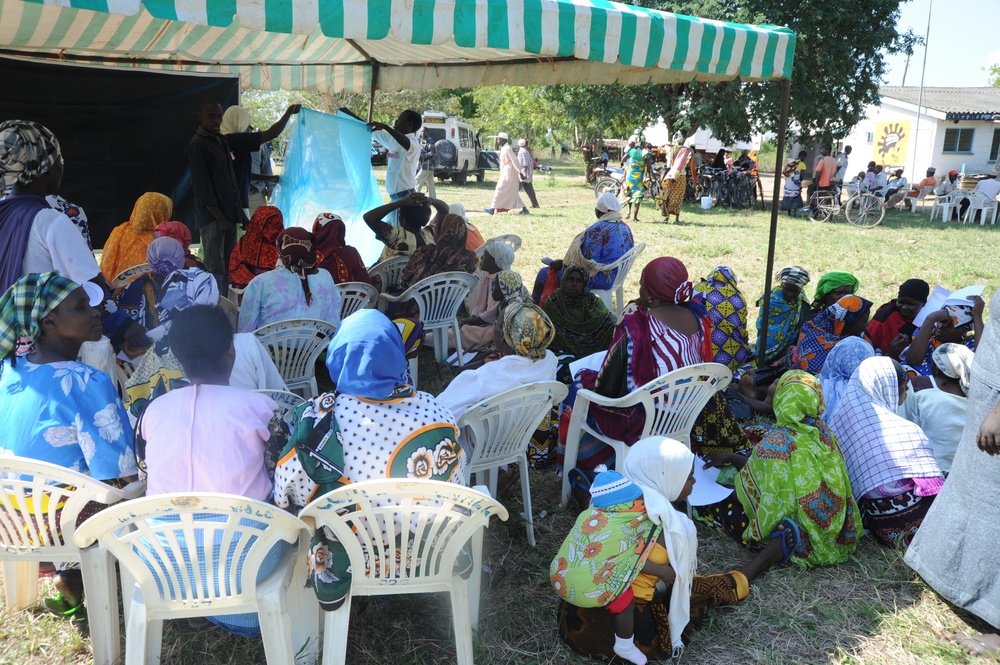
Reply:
x=995, y=148
x=958, y=140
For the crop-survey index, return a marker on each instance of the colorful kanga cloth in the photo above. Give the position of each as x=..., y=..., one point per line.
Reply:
x=783, y=321
x=728, y=313
x=256, y=252
x=818, y=336
x=128, y=242
x=635, y=174
x=798, y=471
x=603, y=554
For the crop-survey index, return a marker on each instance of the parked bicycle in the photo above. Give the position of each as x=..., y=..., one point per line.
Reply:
x=861, y=209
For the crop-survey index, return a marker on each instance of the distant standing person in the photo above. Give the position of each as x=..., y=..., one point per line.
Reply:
x=826, y=170
x=402, y=159
x=505, y=196
x=842, y=160
x=527, y=163
x=425, y=178
x=218, y=202
x=261, y=178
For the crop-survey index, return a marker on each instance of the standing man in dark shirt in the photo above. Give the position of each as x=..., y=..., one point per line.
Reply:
x=218, y=203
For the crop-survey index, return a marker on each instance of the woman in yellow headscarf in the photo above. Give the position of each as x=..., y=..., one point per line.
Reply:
x=127, y=244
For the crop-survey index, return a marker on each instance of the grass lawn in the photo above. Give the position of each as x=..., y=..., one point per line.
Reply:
x=872, y=609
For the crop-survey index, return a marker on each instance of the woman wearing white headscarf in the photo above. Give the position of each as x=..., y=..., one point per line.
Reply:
x=601, y=244
x=664, y=469
x=941, y=411
x=159, y=371
x=893, y=472
x=477, y=331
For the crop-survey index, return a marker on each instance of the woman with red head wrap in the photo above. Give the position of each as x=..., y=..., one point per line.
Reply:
x=338, y=258
x=661, y=332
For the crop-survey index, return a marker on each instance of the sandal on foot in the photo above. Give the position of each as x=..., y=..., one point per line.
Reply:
x=61, y=608
x=787, y=551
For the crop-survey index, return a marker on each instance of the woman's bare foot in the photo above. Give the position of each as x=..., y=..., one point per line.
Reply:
x=987, y=645
x=770, y=556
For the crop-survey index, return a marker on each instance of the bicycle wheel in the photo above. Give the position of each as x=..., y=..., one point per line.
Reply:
x=864, y=210
x=824, y=207
x=607, y=185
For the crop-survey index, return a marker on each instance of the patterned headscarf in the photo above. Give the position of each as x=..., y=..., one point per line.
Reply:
x=186, y=288
x=840, y=365
x=501, y=252
x=796, y=275
x=297, y=251
x=822, y=333
x=527, y=329
x=666, y=279
x=176, y=230
x=961, y=315
x=165, y=255
x=720, y=294
x=27, y=150
x=150, y=210
x=510, y=285
x=235, y=120
x=879, y=446
x=255, y=252
x=29, y=300
x=955, y=361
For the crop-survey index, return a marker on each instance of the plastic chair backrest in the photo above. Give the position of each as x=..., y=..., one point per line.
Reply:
x=191, y=550
x=127, y=275
x=677, y=399
x=389, y=272
x=624, y=264
x=39, y=507
x=294, y=346
x=286, y=401
x=232, y=311
x=511, y=239
x=499, y=428
x=355, y=296
x=432, y=520
x=439, y=297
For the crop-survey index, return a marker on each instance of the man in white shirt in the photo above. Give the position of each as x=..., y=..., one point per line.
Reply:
x=404, y=155
x=988, y=186
x=842, y=163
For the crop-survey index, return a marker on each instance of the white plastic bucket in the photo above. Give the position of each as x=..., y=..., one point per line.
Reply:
x=706, y=203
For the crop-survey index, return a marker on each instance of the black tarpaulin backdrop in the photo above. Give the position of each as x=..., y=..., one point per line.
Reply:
x=122, y=133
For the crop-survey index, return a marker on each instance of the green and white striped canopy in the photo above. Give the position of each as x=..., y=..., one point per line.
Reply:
x=355, y=45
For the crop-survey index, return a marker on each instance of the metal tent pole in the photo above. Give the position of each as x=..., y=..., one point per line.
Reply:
x=775, y=203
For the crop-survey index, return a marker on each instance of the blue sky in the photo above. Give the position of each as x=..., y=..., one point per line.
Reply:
x=963, y=41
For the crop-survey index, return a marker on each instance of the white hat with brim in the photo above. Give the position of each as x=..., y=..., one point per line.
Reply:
x=503, y=135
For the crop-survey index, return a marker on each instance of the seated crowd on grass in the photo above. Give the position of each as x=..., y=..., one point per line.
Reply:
x=858, y=420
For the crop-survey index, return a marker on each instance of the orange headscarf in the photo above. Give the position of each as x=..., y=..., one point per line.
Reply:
x=127, y=244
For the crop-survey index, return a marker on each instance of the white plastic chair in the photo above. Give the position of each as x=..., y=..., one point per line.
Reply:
x=169, y=573
x=614, y=297
x=920, y=199
x=236, y=294
x=945, y=205
x=439, y=297
x=286, y=401
x=295, y=346
x=499, y=429
x=439, y=520
x=39, y=507
x=127, y=275
x=232, y=311
x=979, y=202
x=355, y=296
x=511, y=239
x=389, y=272
x=671, y=403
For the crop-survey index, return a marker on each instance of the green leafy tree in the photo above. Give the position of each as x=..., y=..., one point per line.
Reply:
x=994, y=73
x=839, y=64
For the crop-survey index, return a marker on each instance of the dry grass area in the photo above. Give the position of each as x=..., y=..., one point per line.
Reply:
x=872, y=609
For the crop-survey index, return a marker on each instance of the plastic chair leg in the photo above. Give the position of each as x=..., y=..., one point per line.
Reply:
x=458, y=344
x=303, y=611
x=572, y=447
x=461, y=613
x=475, y=581
x=100, y=586
x=413, y=370
x=20, y=584
x=139, y=635
x=337, y=624
x=526, y=500
x=441, y=345
x=276, y=629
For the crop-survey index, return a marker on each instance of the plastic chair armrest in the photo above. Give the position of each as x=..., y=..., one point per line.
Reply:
x=631, y=399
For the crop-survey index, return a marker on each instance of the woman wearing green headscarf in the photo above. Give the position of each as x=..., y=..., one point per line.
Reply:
x=832, y=287
x=582, y=320
x=796, y=472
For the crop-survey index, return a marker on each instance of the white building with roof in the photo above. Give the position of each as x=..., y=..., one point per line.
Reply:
x=957, y=129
